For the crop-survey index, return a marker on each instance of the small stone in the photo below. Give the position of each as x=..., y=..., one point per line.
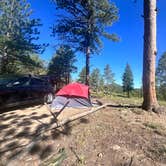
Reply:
x=100, y=155
x=29, y=159
x=116, y=147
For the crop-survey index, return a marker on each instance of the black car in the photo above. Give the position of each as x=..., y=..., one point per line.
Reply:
x=24, y=90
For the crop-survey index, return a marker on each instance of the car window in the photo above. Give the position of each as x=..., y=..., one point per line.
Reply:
x=38, y=82
x=19, y=82
x=5, y=81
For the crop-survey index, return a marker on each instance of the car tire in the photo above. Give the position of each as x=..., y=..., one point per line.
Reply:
x=48, y=98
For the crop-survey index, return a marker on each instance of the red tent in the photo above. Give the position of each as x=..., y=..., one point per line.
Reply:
x=74, y=89
x=76, y=94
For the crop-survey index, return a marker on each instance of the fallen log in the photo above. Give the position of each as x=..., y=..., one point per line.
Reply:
x=77, y=116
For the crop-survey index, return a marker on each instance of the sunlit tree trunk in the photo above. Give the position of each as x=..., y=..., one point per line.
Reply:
x=149, y=57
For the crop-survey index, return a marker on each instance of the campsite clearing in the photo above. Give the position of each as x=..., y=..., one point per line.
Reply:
x=113, y=136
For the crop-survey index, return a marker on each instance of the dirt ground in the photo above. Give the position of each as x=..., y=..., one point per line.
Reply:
x=115, y=136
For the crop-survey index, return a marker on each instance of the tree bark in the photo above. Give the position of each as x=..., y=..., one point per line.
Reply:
x=128, y=94
x=149, y=57
x=4, y=62
x=87, y=65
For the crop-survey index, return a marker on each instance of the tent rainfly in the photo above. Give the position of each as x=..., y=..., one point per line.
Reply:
x=76, y=94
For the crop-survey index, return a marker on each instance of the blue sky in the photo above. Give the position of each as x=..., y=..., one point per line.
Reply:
x=129, y=28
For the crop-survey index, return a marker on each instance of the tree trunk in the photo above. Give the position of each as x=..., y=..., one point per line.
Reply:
x=149, y=58
x=4, y=62
x=87, y=65
x=128, y=94
x=68, y=78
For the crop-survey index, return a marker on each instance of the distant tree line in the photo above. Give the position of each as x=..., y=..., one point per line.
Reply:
x=105, y=83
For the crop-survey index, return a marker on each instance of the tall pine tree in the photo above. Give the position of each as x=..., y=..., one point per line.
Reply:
x=127, y=79
x=17, y=33
x=82, y=24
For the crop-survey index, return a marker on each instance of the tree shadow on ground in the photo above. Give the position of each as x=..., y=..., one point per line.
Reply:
x=18, y=130
x=22, y=107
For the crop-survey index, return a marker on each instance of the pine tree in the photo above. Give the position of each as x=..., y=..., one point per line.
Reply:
x=109, y=79
x=82, y=76
x=108, y=75
x=95, y=79
x=37, y=67
x=127, y=80
x=62, y=64
x=161, y=76
x=83, y=23
x=101, y=84
x=17, y=33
